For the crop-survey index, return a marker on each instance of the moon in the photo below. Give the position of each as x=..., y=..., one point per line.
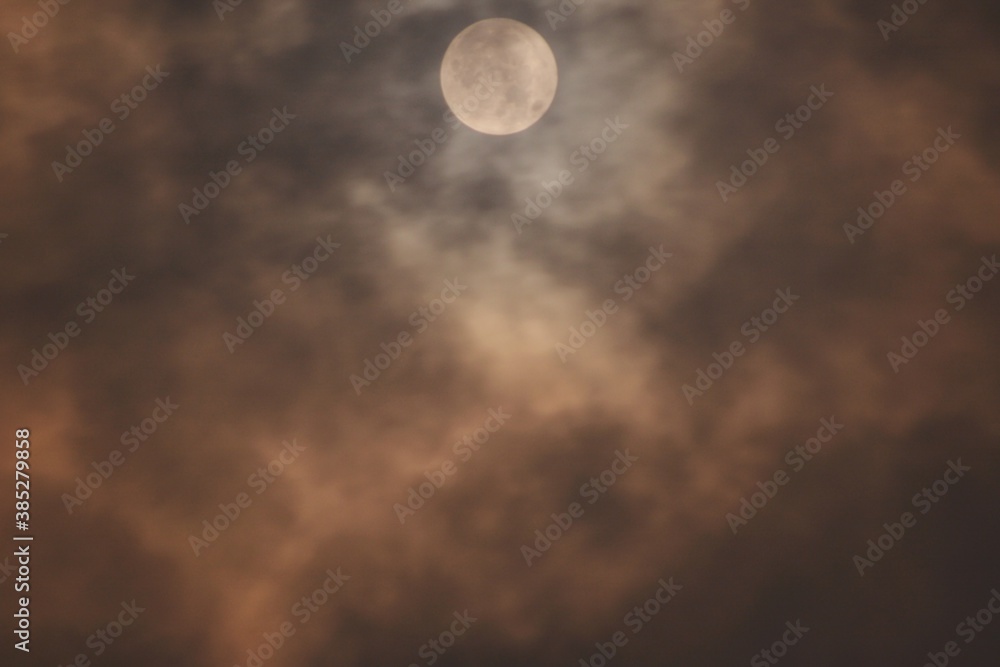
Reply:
x=499, y=76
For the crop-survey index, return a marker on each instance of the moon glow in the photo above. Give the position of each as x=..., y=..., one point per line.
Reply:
x=499, y=76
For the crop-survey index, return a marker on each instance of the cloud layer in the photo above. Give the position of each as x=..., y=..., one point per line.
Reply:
x=382, y=260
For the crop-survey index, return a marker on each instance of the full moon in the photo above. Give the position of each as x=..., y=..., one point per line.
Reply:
x=499, y=76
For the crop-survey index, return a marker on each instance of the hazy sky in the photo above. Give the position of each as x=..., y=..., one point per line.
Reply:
x=207, y=279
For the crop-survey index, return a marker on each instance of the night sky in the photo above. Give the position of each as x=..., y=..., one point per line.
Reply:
x=701, y=365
